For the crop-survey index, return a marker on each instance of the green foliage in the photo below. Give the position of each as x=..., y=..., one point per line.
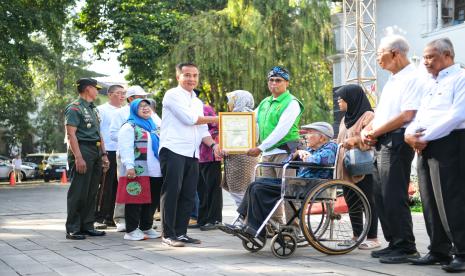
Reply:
x=19, y=21
x=234, y=43
x=140, y=31
x=236, y=47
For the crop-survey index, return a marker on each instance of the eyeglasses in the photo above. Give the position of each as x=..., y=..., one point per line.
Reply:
x=142, y=106
x=276, y=80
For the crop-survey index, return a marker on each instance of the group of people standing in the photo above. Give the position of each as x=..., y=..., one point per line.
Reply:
x=417, y=113
x=422, y=114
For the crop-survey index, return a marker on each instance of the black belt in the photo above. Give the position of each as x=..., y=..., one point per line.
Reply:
x=89, y=143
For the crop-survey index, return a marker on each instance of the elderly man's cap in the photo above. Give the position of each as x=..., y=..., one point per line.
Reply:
x=323, y=127
x=84, y=82
x=135, y=90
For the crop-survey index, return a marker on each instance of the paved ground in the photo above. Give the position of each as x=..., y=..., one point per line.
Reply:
x=32, y=242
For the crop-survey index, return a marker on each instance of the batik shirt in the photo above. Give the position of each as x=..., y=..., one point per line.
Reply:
x=325, y=156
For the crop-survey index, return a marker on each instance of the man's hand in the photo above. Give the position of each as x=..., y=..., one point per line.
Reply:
x=81, y=166
x=368, y=137
x=105, y=163
x=254, y=152
x=414, y=141
x=131, y=173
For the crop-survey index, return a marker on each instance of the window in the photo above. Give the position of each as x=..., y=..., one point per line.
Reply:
x=452, y=12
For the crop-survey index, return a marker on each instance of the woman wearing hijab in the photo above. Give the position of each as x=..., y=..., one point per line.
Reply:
x=138, y=144
x=239, y=168
x=358, y=114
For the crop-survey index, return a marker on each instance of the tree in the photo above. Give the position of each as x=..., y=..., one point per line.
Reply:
x=19, y=20
x=237, y=46
x=54, y=86
x=234, y=43
x=142, y=32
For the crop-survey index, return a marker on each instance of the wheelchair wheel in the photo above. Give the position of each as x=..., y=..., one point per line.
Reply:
x=253, y=245
x=333, y=213
x=283, y=245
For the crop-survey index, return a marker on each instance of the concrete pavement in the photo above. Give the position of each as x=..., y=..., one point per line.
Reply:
x=32, y=242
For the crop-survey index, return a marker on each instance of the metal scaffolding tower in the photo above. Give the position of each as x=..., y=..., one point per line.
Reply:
x=360, y=44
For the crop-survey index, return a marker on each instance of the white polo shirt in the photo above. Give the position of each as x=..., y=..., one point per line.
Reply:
x=106, y=112
x=442, y=108
x=401, y=92
x=181, y=110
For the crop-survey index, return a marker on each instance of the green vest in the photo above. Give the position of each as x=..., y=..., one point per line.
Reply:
x=269, y=112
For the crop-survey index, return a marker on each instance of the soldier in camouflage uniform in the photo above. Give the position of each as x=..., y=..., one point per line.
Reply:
x=86, y=158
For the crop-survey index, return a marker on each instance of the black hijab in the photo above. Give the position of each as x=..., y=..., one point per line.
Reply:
x=357, y=103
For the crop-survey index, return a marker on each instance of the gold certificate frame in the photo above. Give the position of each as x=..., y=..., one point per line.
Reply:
x=237, y=131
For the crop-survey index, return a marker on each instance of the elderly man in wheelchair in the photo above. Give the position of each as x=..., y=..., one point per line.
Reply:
x=262, y=195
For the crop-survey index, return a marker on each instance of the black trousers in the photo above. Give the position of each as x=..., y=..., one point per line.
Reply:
x=180, y=177
x=441, y=172
x=259, y=199
x=210, y=193
x=141, y=215
x=82, y=192
x=106, y=194
x=391, y=178
x=356, y=219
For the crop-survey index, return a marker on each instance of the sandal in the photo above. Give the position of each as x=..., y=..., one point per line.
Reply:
x=369, y=244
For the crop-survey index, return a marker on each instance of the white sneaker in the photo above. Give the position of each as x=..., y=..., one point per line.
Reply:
x=152, y=234
x=135, y=235
x=120, y=227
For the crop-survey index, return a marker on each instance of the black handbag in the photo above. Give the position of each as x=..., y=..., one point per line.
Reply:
x=359, y=162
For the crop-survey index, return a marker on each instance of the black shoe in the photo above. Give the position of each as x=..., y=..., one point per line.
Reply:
x=187, y=239
x=99, y=225
x=208, y=227
x=432, y=259
x=228, y=228
x=193, y=226
x=75, y=236
x=456, y=265
x=93, y=233
x=381, y=252
x=398, y=257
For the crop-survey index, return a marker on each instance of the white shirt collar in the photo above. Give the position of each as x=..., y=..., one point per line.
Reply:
x=447, y=71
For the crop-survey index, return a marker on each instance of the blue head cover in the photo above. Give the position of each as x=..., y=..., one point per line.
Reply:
x=147, y=124
x=279, y=71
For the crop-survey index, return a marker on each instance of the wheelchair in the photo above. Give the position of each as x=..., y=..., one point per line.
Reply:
x=323, y=208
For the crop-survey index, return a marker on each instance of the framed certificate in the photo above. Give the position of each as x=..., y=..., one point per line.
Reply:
x=237, y=131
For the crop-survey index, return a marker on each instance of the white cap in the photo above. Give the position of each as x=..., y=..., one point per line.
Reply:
x=135, y=90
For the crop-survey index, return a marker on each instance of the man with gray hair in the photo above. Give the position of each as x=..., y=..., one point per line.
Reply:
x=393, y=157
x=438, y=136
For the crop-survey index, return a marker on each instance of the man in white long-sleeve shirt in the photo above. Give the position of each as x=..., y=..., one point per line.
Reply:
x=438, y=135
x=106, y=194
x=183, y=128
x=278, y=119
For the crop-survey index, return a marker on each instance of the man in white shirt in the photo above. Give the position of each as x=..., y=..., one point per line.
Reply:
x=397, y=106
x=106, y=194
x=183, y=128
x=438, y=136
x=17, y=163
x=278, y=118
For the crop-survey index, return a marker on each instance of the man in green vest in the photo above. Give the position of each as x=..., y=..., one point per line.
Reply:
x=278, y=119
x=86, y=157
